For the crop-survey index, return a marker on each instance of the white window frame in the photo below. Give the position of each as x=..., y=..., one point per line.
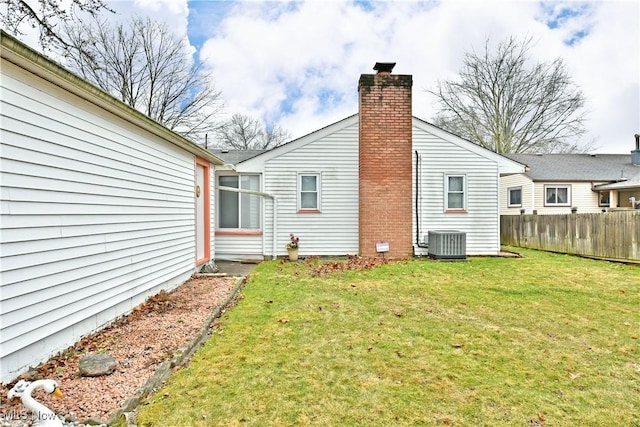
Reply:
x=602, y=193
x=318, y=192
x=463, y=192
x=509, y=202
x=258, y=204
x=556, y=187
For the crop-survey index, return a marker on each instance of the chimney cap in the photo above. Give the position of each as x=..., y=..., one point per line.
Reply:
x=384, y=67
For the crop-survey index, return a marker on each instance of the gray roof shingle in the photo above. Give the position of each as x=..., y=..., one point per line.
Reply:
x=236, y=156
x=577, y=167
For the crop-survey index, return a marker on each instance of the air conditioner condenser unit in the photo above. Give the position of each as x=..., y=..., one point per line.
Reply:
x=447, y=244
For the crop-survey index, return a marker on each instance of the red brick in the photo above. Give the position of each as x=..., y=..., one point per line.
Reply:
x=385, y=164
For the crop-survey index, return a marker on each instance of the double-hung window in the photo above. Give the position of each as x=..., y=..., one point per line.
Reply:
x=309, y=192
x=557, y=195
x=455, y=193
x=239, y=210
x=514, y=197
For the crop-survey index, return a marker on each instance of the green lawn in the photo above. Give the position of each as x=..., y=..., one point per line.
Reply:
x=544, y=340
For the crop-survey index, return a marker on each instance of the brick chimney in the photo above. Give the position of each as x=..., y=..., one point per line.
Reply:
x=385, y=162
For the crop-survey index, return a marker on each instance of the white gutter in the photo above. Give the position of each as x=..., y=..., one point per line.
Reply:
x=275, y=210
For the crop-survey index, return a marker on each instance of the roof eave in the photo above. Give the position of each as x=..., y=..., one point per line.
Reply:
x=28, y=59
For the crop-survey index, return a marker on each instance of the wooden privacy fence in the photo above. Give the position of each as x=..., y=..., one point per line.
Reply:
x=611, y=235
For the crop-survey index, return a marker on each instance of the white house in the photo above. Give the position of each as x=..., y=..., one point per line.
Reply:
x=313, y=186
x=100, y=208
x=565, y=183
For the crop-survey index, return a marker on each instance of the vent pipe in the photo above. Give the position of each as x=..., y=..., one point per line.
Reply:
x=635, y=154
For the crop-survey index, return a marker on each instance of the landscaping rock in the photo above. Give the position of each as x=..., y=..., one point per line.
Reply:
x=161, y=329
x=95, y=365
x=209, y=267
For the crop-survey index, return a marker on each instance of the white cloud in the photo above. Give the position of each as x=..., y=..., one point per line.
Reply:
x=173, y=12
x=163, y=7
x=606, y=64
x=299, y=62
x=270, y=56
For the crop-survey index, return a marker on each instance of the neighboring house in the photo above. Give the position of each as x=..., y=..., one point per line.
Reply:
x=562, y=183
x=101, y=208
x=378, y=176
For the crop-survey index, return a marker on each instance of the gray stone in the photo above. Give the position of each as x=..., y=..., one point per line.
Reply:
x=94, y=365
x=209, y=267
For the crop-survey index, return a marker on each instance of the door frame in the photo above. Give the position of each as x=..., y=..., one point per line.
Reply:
x=204, y=197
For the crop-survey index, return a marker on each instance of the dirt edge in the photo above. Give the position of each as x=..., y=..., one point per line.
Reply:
x=180, y=358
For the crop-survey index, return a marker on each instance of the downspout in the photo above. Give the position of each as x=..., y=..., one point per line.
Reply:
x=275, y=227
x=533, y=197
x=498, y=213
x=275, y=210
x=418, y=243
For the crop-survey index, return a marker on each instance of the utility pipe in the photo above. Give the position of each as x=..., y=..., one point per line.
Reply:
x=417, y=202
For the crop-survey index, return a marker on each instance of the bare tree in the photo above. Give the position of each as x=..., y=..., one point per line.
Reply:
x=274, y=135
x=148, y=68
x=242, y=132
x=20, y=14
x=507, y=104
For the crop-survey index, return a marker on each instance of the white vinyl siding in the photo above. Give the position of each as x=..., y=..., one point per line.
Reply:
x=581, y=193
x=526, y=194
x=97, y=215
x=533, y=196
x=439, y=158
x=333, y=155
x=238, y=247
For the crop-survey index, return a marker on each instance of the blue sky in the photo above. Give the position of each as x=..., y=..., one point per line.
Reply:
x=298, y=62
x=204, y=17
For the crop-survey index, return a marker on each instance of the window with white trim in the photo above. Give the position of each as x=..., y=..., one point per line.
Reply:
x=603, y=198
x=557, y=195
x=239, y=210
x=309, y=192
x=455, y=194
x=514, y=196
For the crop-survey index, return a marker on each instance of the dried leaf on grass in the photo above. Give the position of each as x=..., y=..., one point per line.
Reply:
x=353, y=263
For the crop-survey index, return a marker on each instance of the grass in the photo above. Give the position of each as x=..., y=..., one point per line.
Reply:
x=544, y=340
